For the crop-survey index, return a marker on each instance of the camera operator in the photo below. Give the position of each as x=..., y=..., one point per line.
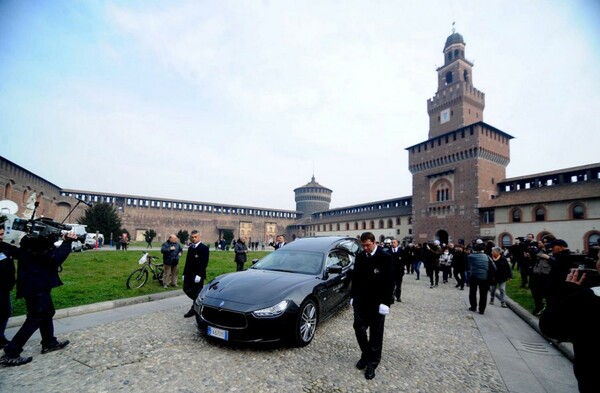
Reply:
x=527, y=259
x=540, y=279
x=575, y=318
x=39, y=263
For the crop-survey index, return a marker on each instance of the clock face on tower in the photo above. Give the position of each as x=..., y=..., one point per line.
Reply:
x=445, y=116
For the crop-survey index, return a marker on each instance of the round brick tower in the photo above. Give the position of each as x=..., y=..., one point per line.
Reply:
x=312, y=197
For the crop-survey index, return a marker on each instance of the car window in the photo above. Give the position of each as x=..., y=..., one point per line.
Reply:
x=304, y=262
x=337, y=258
x=351, y=245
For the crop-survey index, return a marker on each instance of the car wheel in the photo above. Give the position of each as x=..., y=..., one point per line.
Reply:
x=306, y=325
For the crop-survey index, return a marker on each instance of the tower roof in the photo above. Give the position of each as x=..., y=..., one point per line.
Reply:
x=313, y=183
x=454, y=38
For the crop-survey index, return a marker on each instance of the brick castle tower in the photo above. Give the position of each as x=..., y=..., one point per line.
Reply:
x=456, y=170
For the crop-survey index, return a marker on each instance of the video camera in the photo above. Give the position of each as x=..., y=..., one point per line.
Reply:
x=586, y=263
x=43, y=228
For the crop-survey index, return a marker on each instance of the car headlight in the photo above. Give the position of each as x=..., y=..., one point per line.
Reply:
x=273, y=311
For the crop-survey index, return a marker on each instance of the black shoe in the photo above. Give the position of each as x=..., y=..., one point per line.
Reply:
x=7, y=361
x=481, y=312
x=189, y=314
x=55, y=347
x=3, y=342
x=370, y=372
x=361, y=364
x=398, y=300
x=472, y=309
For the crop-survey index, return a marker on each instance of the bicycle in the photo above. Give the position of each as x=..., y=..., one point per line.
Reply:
x=138, y=277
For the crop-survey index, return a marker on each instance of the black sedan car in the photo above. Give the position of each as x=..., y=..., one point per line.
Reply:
x=283, y=296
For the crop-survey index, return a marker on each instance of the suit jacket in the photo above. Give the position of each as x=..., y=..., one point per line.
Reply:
x=372, y=280
x=196, y=262
x=397, y=261
x=279, y=245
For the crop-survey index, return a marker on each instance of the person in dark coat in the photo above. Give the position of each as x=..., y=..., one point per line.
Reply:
x=241, y=252
x=194, y=271
x=398, y=265
x=501, y=276
x=372, y=286
x=560, y=263
x=575, y=318
x=459, y=265
x=39, y=262
x=171, y=250
x=481, y=273
x=7, y=283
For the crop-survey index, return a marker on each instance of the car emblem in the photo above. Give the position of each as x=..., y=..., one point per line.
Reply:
x=376, y=271
x=222, y=303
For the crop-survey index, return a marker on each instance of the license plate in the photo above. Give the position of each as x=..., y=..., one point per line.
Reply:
x=218, y=333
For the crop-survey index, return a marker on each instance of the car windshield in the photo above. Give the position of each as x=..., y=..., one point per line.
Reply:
x=304, y=262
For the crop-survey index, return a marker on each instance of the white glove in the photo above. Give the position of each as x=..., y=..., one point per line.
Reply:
x=197, y=279
x=351, y=301
x=383, y=309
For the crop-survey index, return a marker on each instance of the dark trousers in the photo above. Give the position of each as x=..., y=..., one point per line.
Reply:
x=538, y=283
x=239, y=266
x=5, y=311
x=192, y=290
x=525, y=273
x=431, y=272
x=446, y=273
x=40, y=311
x=398, y=288
x=483, y=286
x=371, y=345
x=459, y=276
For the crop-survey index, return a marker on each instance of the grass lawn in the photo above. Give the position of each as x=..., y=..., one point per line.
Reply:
x=518, y=294
x=98, y=276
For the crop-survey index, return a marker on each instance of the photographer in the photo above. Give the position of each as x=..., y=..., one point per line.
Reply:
x=575, y=318
x=39, y=263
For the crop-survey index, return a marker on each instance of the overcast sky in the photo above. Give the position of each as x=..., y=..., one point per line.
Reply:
x=240, y=102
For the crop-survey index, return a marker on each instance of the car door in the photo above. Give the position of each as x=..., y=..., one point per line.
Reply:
x=337, y=285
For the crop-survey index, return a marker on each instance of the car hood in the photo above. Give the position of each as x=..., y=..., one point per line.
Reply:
x=260, y=288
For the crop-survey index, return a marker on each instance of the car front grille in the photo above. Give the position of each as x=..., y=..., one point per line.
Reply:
x=223, y=318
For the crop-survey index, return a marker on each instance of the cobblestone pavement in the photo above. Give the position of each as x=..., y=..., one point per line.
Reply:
x=431, y=344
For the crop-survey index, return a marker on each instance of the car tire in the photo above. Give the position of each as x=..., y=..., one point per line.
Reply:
x=306, y=323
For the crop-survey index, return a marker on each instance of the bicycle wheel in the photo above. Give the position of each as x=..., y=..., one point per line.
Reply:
x=137, y=278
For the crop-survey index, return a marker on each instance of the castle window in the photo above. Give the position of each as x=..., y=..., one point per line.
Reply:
x=449, y=77
x=487, y=216
x=578, y=212
x=540, y=214
x=466, y=78
x=390, y=223
x=455, y=53
x=516, y=215
x=380, y=224
x=372, y=225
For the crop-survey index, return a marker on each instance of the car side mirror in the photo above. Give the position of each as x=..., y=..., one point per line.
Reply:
x=337, y=269
x=254, y=261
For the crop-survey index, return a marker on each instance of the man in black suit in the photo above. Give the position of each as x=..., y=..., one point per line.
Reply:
x=194, y=272
x=279, y=242
x=397, y=267
x=372, y=287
